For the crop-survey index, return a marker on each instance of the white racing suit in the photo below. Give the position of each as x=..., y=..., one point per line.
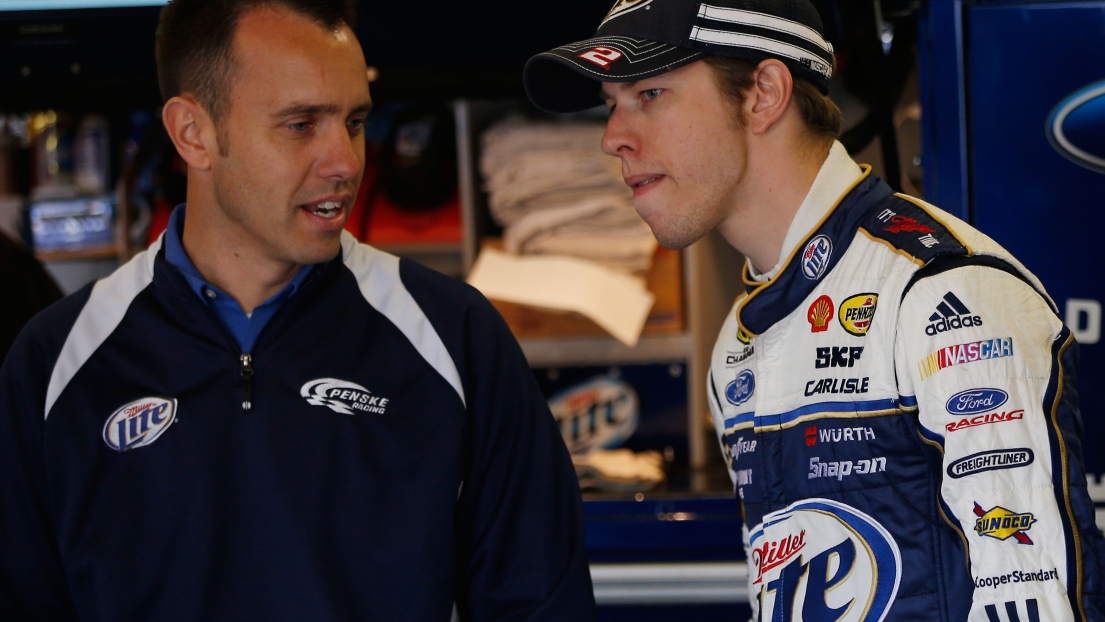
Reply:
x=898, y=409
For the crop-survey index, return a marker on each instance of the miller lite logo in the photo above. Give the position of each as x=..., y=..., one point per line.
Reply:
x=815, y=258
x=819, y=559
x=139, y=423
x=821, y=311
x=776, y=553
x=342, y=396
x=601, y=412
x=621, y=7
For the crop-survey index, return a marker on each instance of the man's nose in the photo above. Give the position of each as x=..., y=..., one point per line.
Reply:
x=343, y=155
x=619, y=137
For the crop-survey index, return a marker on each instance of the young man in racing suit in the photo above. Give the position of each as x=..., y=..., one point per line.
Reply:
x=894, y=393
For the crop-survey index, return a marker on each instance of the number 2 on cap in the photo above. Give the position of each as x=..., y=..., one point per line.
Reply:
x=601, y=56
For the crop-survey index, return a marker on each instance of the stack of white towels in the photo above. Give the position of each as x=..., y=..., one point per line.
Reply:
x=554, y=191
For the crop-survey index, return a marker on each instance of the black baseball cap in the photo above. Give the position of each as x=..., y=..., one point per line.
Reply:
x=643, y=38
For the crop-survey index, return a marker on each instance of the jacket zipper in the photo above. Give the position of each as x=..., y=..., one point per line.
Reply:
x=245, y=375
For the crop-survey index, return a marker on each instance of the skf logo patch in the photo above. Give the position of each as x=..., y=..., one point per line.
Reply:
x=815, y=259
x=342, y=396
x=621, y=7
x=1000, y=523
x=965, y=353
x=139, y=423
x=821, y=311
x=856, y=313
x=740, y=390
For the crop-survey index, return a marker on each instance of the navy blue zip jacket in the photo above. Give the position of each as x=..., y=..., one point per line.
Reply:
x=382, y=454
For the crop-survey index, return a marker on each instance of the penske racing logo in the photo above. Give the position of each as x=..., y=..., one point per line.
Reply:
x=1002, y=524
x=342, y=396
x=819, y=559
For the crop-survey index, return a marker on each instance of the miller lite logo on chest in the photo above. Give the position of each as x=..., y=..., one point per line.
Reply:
x=139, y=423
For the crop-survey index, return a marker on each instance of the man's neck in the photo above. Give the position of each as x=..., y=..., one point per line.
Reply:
x=229, y=264
x=780, y=176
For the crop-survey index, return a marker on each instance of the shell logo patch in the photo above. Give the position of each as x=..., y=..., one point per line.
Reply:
x=820, y=559
x=139, y=423
x=819, y=314
x=856, y=313
x=1000, y=523
x=602, y=412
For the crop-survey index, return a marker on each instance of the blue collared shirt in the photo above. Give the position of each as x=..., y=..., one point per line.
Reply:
x=245, y=328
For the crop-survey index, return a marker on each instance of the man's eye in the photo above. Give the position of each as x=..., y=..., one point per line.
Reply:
x=299, y=126
x=651, y=94
x=355, y=124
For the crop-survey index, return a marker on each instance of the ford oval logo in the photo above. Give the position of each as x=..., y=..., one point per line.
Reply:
x=976, y=401
x=741, y=389
x=1076, y=127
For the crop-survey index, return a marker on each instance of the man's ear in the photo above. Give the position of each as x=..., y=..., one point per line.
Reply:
x=191, y=130
x=769, y=96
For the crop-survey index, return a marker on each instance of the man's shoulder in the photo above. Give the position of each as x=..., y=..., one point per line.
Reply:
x=916, y=229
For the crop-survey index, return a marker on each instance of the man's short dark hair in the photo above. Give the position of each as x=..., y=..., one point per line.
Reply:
x=195, y=39
x=734, y=77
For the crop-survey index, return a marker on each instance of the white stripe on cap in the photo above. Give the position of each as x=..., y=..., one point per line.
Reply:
x=763, y=20
x=772, y=46
x=101, y=315
x=377, y=275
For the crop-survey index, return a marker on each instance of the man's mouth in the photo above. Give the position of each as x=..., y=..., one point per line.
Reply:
x=325, y=209
x=646, y=182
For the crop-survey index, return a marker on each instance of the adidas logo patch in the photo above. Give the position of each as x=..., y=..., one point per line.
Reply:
x=951, y=314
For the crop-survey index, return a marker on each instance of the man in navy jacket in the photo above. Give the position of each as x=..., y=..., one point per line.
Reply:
x=259, y=418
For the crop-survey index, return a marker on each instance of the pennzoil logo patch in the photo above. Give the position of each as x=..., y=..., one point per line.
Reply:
x=342, y=396
x=856, y=313
x=139, y=423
